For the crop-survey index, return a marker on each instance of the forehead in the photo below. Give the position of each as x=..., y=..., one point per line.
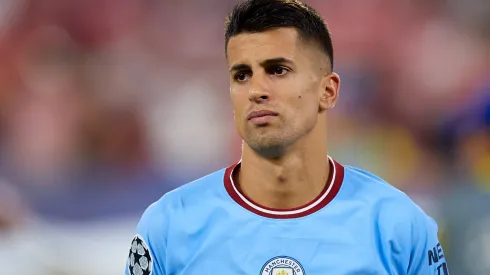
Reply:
x=281, y=42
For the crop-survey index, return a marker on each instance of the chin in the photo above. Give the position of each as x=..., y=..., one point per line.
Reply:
x=269, y=147
x=270, y=152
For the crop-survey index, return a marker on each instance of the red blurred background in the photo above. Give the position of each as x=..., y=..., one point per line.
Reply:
x=105, y=105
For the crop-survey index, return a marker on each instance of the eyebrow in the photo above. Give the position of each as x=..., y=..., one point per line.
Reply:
x=265, y=63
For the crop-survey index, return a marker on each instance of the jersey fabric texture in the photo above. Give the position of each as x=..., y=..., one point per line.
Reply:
x=359, y=224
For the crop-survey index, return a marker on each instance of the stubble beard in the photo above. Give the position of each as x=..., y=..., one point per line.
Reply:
x=271, y=144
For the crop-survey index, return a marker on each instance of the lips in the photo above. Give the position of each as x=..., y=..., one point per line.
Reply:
x=261, y=113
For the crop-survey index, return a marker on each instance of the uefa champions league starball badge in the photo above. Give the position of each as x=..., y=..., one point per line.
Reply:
x=139, y=259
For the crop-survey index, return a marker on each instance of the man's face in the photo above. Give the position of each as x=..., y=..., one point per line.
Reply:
x=276, y=73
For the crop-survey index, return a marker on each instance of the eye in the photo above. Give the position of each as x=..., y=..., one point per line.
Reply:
x=241, y=76
x=277, y=71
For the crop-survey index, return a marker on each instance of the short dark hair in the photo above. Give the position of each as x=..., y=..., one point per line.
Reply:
x=252, y=16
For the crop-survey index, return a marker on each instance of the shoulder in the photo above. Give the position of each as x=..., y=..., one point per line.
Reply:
x=197, y=190
x=388, y=204
x=370, y=184
x=403, y=228
x=190, y=194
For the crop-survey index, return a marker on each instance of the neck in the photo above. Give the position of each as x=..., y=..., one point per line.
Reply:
x=290, y=181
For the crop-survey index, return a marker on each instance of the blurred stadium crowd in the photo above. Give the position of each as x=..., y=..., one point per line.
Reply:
x=105, y=105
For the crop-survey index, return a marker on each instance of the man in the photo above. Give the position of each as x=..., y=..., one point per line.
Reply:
x=286, y=207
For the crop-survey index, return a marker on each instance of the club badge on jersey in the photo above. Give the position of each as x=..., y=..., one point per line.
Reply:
x=282, y=266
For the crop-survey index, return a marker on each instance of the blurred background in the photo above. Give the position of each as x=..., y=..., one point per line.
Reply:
x=106, y=105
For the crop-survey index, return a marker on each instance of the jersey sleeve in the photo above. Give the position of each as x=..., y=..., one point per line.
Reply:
x=426, y=255
x=147, y=251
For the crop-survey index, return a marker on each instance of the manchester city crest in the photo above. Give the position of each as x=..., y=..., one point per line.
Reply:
x=282, y=266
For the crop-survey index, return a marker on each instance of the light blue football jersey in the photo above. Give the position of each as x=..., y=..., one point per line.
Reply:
x=359, y=224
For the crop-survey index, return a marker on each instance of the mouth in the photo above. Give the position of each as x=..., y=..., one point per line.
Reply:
x=261, y=117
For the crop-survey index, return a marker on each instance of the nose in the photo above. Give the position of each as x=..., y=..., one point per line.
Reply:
x=259, y=90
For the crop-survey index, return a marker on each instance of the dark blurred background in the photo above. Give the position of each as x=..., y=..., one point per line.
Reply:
x=106, y=105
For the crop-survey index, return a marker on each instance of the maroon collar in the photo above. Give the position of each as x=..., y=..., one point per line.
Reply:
x=331, y=189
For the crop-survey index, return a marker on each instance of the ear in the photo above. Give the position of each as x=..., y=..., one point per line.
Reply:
x=330, y=93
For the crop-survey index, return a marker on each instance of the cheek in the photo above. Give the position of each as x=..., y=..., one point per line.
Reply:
x=304, y=106
x=238, y=103
x=303, y=101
